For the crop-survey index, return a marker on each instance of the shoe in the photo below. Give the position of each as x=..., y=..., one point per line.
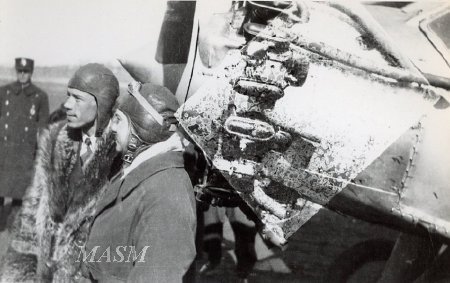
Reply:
x=209, y=268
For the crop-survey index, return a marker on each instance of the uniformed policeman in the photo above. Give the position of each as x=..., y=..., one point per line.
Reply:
x=23, y=111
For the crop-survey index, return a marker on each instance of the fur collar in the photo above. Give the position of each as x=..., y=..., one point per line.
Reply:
x=68, y=194
x=55, y=207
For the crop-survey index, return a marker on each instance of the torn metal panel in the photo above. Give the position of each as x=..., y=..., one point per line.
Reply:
x=353, y=127
x=290, y=141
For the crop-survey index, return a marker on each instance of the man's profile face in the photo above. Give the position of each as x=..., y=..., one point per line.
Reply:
x=81, y=108
x=23, y=76
x=121, y=129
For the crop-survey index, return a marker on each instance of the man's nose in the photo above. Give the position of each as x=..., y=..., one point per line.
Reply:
x=113, y=127
x=69, y=103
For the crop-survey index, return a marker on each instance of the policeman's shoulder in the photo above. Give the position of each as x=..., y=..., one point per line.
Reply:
x=7, y=86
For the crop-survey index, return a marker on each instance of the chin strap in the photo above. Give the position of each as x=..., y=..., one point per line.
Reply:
x=134, y=144
x=177, y=142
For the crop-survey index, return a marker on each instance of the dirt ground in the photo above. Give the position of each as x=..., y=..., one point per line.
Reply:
x=310, y=253
x=308, y=256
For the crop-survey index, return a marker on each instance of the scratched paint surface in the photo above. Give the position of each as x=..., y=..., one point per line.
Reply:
x=340, y=120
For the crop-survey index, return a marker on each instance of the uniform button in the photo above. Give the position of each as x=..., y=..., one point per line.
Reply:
x=6, y=138
x=6, y=126
x=26, y=129
x=7, y=102
x=7, y=114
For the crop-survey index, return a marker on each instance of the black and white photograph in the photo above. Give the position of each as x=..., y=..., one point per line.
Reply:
x=224, y=141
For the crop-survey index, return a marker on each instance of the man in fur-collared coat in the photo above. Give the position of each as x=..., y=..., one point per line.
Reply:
x=73, y=163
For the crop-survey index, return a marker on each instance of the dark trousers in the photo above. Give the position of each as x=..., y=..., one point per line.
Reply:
x=8, y=210
x=244, y=232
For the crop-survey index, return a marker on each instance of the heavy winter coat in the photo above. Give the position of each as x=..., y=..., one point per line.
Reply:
x=23, y=111
x=144, y=228
x=59, y=201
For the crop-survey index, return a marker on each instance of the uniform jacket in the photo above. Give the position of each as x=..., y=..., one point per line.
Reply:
x=22, y=112
x=152, y=212
x=49, y=227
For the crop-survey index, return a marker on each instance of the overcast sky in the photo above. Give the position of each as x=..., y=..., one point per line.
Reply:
x=56, y=32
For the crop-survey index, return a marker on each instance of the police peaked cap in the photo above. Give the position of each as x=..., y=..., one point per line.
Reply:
x=24, y=64
x=99, y=81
